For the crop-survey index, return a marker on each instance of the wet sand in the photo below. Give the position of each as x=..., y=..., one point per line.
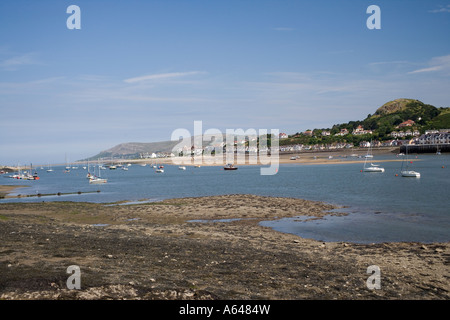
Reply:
x=337, y=156
x=154, y=251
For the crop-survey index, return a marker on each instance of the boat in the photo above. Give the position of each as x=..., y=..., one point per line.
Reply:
x=410, y=173
x=159, y=170
x=372, y=167
x=97, y=179
x=406, y=172
x=35, y=174
x=230, y=167
x=182, y=167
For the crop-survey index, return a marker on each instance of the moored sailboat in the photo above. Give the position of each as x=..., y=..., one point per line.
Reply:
x=407, y=172
x=372, y=167
x=97, y=179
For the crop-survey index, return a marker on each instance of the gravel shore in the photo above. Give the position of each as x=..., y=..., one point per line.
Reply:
x=154, y=251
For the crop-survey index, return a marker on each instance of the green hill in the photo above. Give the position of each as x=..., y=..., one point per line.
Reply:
x=385, y=120
x=389, y=116
x=393, y=113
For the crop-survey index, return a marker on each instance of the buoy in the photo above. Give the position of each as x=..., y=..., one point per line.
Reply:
x=396, y=174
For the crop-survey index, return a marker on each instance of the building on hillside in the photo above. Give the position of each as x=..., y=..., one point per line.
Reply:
x=360, y=130
x=343, y=132
x=407, y=123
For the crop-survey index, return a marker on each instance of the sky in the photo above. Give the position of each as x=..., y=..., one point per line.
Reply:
x=138, y=70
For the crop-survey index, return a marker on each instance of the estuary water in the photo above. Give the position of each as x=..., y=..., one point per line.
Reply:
x=380, y=207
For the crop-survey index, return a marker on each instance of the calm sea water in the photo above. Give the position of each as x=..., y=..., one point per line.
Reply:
x=381, y=207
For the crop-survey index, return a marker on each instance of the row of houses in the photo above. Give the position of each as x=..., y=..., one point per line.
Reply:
x=387, y=143
x=434, y=138
x=407, y=133
x=361, y=131
x=302, y=147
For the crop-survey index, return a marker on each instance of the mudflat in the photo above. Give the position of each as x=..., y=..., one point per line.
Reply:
x=160, y=251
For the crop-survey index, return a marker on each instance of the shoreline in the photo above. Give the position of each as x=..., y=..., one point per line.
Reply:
x=284, y=157
x=304, y=158
x=156, y=251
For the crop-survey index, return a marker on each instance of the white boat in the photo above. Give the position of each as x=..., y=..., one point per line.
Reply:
x=159, y=170
x=97, y=179
x=182, y=167
x=406, y=172
x=410, y=173
x=372, y=167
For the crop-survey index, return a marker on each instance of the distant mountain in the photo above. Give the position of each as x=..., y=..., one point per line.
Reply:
x=132, y=150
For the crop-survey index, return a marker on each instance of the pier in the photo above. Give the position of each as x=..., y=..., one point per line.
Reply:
x=426, y=148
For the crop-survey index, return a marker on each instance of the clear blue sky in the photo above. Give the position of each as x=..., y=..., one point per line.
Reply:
x=138, y=70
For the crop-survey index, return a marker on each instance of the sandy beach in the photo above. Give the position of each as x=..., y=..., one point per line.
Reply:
x=154, y=251
x=336, y=156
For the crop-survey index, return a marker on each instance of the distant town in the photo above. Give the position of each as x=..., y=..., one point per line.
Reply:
x=399, y=138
